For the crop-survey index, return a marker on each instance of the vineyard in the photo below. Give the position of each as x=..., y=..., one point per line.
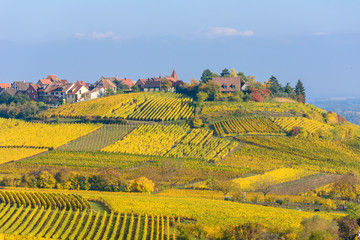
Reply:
x=17, y=133
x=87, y=160
x=8, y=154
x=211, y=213
x=149, y=140
x=312, y=126
x=219, y=110
x=135, y=106
x=78, y=224
x=200, y=144
x=277, y=176
x=169, y=107
x=173, y=141
x=252, y=125
x=275, y=152
x=44, y=200
x=99, y=107
x=97, y=140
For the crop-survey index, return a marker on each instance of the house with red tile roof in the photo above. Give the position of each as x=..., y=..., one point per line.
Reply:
x=155, y=84
x=54, y=93
x=125, y=81
x=82, y=83
x=5, y=85
x=43, y=82
x=51, y=79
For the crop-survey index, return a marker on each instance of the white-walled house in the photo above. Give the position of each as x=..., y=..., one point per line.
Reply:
x=76, y=94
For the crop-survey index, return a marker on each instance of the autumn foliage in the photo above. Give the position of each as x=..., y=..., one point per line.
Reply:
x=260, y=95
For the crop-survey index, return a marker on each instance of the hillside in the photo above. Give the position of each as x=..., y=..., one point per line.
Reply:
x=155, y=147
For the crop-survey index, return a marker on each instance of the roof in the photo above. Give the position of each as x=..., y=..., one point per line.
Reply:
x=45, y=81
x=228, y=84
x=153, y=83
x=95, y=90
x=82, y=83
x=5, y=85
x=126, y=81
x=76, y=89
x=54, y=77
x=57, y=88
x=34, y=86
x=174, y=75
x=22, y=86
x=106, y=84
x=10, y=91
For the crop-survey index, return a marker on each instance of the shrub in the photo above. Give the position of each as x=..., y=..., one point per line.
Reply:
x=317, y=227
x=141, y=184
x=347, y=227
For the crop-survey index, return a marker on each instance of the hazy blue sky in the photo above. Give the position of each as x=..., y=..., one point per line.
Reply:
x=315, y=41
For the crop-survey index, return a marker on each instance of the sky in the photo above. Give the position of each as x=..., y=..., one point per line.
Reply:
x=315, y=41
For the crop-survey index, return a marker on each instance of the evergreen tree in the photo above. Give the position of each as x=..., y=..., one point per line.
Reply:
x=289, y=90
x=300, y=90
x=225, y=72
x=206, y=76
x=242, y=76
x=275, y=87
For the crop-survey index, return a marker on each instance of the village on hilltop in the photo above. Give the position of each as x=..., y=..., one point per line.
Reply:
x=53, y=90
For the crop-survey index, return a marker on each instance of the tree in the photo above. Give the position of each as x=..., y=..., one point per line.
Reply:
x=135, y=88
x=233, y=73
x=6, y=98
x=141, y=184
x=46, y=180
x=225, y=186
x=165, y=84
x=274, y=86
x=264, y=184
x=289, y=90
x=317, y=227
x=201, y=96
x=256, y=95
x=120, y=85
x=197, y=122
x=242, y=76
x=347, y=187
x=348, y=227
x=206, y=76
x=300, y=91
x=110, y=92
x=211, y=88
x=246, y=231
x=225, y=72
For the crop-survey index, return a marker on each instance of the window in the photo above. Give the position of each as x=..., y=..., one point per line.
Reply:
x=224, y=86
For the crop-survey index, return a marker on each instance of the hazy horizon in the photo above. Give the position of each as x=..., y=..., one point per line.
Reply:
x=316, y=42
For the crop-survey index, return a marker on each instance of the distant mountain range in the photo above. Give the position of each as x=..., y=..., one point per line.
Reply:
x=346, y=107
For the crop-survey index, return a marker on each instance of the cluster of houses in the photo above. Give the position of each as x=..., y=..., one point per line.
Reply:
x=52, y=89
